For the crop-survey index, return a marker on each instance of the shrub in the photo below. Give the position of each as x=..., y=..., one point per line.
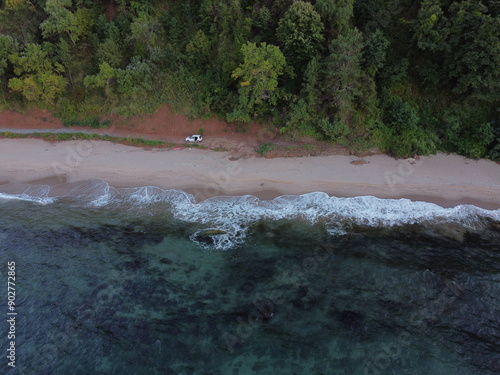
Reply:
x=266, y=147
x=468, y=135
x=89, y=122
x=402, y=134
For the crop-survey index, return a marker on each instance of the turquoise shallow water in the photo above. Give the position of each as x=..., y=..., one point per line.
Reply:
x=108, y=285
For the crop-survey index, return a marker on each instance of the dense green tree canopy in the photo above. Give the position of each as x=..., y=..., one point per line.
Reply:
x=405, y=76
x=300, y=33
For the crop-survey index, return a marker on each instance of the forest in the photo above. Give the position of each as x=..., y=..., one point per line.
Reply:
x=405, y=76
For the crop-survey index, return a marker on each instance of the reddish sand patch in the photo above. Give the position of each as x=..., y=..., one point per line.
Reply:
x=36, y=119
x=166, y=125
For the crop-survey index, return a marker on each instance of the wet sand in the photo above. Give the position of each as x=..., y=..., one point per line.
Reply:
x=447, y=180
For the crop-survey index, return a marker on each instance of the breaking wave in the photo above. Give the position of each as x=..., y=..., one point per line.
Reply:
x=233, y=215
x=24, y=192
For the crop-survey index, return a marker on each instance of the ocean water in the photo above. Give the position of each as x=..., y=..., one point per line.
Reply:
x=129, y=281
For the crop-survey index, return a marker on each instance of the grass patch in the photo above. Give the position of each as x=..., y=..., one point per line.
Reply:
x=89, y=122
x=266, y=147
x=310, y=147
x=139, y=142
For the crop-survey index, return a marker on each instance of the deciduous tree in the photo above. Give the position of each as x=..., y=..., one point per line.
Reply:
x=258, y=78
x=62, y=20
x=102, y=79
x=7, y=46
x=20, y=20
x=300, y=33
x=39, y=78
x=144, y=31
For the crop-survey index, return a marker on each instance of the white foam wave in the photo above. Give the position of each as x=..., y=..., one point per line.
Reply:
x=235, y=214
x=24, y=192
x=94, y=193
x=28, y=198
x=152, y=194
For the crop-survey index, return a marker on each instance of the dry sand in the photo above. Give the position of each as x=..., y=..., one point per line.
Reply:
x=448, y=180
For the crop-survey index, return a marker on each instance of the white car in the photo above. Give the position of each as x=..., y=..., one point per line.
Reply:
x=194, y=138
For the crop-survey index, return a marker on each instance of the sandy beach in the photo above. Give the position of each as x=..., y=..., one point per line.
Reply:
x=447, y=180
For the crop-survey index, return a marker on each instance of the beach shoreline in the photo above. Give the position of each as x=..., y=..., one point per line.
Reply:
x=447, y=180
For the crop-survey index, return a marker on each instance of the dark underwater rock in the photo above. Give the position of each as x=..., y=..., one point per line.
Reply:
x=391, y=305
x=165, y=261
x=207, y=236
x=258, y=310
x=247, y=287
x=133, y=265
x=350, y=319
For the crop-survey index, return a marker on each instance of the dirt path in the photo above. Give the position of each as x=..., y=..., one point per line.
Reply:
x=166, y=125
